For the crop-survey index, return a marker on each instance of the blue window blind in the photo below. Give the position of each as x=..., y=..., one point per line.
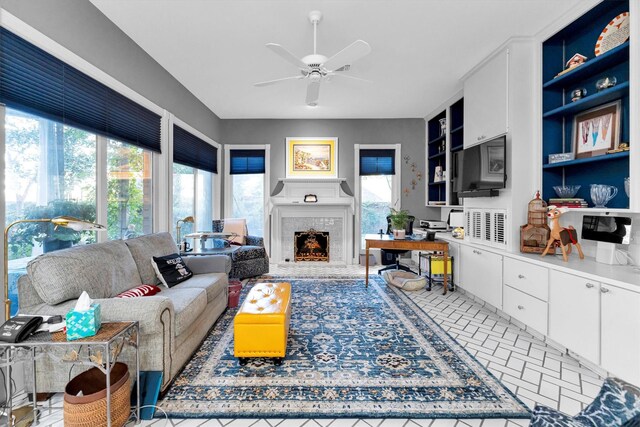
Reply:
x=377, y=162
x=243, y=162
x=192, y=151
x=33, y=81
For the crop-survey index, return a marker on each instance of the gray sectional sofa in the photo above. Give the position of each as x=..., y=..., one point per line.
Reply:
x=172, y=323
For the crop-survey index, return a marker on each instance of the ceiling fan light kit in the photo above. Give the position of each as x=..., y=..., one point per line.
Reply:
x=316, y=68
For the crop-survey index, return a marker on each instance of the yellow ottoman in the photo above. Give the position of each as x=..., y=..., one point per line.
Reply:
x=261, y=326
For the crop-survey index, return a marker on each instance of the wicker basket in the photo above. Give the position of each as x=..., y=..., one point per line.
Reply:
x=90, y=409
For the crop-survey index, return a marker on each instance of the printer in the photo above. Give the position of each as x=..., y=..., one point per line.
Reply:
x=433, y=224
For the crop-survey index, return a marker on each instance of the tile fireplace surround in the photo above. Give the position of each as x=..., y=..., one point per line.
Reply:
x=333, y=212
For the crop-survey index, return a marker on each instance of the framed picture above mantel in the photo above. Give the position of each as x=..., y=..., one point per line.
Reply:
x=312, y=158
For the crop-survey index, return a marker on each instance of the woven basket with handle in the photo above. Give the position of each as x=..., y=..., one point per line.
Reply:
x=90, y=409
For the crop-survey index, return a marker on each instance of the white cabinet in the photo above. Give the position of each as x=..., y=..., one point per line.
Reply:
x=620, y=332
x=481, y=274
x=525, y=308
x=574, y=308
x=486, y=106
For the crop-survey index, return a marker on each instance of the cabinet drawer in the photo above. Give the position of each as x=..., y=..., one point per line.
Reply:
x=525, y=308
x=528, y=278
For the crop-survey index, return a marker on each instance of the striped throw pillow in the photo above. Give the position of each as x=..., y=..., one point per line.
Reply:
x=139, y=291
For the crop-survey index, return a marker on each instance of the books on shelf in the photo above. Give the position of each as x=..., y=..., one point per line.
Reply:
x=569, y=202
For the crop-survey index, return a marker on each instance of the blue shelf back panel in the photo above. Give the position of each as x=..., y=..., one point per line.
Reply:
x=612, y=172
x=457, y=111
x=593, y=66
x=581, y=35
x=434, y=125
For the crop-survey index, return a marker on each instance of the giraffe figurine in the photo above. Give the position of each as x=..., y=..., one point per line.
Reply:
x=562, y=237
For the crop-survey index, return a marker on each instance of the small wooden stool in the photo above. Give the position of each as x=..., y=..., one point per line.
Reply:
x=261, y=326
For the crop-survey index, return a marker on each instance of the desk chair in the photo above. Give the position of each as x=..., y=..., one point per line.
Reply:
x=396, y=252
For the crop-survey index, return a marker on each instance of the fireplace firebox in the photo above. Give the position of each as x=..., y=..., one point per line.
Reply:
x=311, y=245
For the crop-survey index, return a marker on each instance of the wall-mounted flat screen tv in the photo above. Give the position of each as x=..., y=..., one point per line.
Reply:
x=482, y=167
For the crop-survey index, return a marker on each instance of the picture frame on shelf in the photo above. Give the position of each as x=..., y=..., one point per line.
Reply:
x=312, y=158
x=597, y=130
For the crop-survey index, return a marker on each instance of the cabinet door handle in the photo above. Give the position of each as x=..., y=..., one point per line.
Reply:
x=521, y=307
x=520, y=276
x=604, y=290
x=589, y=285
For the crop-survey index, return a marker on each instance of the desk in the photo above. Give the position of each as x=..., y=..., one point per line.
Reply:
x=385, y=241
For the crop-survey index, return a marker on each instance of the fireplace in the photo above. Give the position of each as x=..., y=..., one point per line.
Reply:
x=311, y=245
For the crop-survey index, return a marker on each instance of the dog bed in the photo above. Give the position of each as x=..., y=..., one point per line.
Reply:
x=404, y=280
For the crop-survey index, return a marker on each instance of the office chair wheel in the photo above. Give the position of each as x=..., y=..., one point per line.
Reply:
x=243, y=361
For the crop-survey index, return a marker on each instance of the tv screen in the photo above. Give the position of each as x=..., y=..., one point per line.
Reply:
x=483, y=166
x=611, y=229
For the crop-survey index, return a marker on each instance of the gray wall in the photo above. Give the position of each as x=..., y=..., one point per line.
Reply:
x=82, y=28
x=408, y=132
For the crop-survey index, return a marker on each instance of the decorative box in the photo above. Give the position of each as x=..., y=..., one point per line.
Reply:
x=561, y=157
x=83, y=324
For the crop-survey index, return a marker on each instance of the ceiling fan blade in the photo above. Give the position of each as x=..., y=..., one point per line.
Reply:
x=313, y=92
x=351, y=77
x=288, y=56
x=271, y=82
x=348, y=55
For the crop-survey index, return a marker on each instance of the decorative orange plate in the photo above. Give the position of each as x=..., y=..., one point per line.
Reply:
x=614, y=34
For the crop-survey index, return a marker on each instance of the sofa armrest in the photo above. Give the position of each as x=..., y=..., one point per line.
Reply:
x=254, y=241
x=208, y=263
x=153, y=313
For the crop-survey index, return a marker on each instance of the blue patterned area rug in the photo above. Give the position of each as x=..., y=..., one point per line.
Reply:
x=352, y=352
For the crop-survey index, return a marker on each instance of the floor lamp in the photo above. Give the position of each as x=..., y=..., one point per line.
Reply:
x=179, y=227
x=60, y=221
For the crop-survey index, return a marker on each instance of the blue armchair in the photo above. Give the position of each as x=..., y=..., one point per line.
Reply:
x=250, y=259
x=617, y=404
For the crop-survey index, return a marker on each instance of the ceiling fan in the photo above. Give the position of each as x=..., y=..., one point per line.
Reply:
x=316, y=68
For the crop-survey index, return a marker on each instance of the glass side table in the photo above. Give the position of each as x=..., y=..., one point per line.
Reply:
x=100, y=351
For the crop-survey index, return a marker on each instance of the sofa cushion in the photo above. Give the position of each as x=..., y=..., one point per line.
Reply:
x=145, y=247
x=188, y=304
x=101, y=269
x=245, y=253
x=214, y=284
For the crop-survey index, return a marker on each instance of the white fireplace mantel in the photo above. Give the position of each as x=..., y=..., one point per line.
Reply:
x=335, y=208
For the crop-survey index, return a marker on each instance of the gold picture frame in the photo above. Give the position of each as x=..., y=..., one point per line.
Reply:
x=597, y=130
x=314, y=158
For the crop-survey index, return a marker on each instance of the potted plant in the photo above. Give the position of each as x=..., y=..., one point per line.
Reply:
x=50, y=237
x=399, y=220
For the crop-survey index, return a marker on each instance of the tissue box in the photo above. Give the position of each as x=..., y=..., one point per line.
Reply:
x=83, y=324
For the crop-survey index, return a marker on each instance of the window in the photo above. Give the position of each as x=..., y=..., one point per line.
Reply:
x=378, y=186
x=375, y=202
x=184, y=196
x=129, y=207
x=246, y=183
x=50, y=171
x=194, y=170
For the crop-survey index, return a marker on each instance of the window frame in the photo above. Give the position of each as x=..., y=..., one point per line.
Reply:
x=396, y=186
x=215, y=177
x=228, y=184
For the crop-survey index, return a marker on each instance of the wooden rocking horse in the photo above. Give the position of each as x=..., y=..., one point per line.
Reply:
x=561, y=237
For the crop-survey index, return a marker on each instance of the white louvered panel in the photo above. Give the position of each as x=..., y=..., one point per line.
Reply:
x=476, y=226
x=486, y=226
x=499, y=228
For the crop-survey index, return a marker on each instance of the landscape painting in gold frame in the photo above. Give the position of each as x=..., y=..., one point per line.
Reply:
x=312, y=158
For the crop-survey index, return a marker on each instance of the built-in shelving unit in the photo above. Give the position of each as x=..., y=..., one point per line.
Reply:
x=559, y=111
x=456, y=143
x=436, y=158
x=440, y=150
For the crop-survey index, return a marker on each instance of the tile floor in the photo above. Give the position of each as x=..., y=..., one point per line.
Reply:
x=533, y=370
